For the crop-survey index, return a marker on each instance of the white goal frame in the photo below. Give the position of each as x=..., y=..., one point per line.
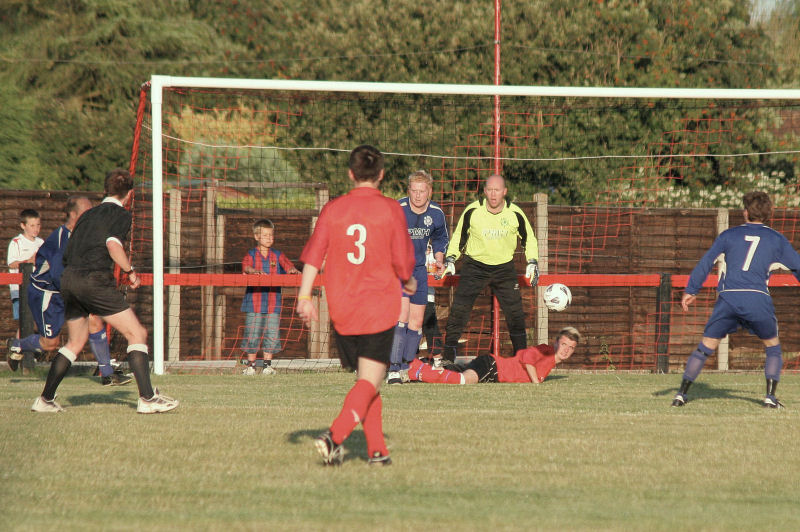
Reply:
x=158, y=83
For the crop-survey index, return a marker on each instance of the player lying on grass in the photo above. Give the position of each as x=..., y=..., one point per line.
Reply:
x=47, y=305
x=529, y=365
x=748, y=254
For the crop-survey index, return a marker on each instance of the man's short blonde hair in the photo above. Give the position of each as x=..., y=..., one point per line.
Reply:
x=571, y=333
x=420, y=176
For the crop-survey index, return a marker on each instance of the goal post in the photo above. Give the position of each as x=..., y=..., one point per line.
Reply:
x=534, y=144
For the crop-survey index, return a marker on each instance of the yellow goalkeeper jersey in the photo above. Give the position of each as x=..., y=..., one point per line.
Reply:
x=492, y=238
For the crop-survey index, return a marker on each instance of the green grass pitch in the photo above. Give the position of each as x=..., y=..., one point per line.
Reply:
x=579, y=452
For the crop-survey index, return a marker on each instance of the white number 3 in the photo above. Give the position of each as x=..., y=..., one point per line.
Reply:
x=359, y=243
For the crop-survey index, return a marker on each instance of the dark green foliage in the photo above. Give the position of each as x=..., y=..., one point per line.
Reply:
x=71, y=74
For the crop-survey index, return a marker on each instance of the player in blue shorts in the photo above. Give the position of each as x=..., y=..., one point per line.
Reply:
x=748, y=254
x=47, y=305
x=426, y=223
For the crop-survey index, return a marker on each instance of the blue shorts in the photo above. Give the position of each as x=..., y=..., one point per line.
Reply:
x=261, y=331
x=420, y=297
x=752, y=311
x=48, y=311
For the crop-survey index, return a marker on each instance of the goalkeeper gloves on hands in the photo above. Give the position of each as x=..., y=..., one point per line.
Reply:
x=449, y=267
x=532, y=271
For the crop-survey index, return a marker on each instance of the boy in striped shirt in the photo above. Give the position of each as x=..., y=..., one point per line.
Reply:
x=262, y=304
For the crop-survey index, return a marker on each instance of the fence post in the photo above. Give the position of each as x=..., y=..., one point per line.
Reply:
x=540, y=228
x=723, y=350
x=174, y=291
x=26, y=324
x=663, y=302
x=210, y=258
x=319, y=332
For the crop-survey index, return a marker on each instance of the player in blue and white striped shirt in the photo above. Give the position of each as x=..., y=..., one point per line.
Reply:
x=748, y=254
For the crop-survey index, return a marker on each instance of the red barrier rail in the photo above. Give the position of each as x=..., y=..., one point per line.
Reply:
x=569, y=279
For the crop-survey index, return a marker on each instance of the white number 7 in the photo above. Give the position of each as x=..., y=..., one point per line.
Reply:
x=750, y=252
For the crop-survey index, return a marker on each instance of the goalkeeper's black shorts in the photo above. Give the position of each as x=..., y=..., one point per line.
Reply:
x=376, y=346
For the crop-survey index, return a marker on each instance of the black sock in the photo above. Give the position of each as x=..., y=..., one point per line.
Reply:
x=58, y=369
x=139, y=363
x=685, y=386
x=772, y=385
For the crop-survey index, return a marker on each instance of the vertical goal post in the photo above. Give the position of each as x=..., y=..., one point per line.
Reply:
x=158, y=84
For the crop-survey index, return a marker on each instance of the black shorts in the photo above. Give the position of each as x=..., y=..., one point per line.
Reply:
x=376, y=346
x=90, y=292
x=486, y=368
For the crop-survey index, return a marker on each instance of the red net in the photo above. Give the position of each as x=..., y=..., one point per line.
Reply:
x=629, y=192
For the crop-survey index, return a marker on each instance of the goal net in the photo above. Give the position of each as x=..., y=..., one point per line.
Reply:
x=626, y=189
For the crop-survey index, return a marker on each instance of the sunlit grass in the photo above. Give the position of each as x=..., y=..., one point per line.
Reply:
x=580, y=451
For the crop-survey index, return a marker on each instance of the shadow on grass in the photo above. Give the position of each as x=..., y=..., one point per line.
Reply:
x=355, y=441
x=40, y=371
x=37, y=374
x=700, y=390
x=117, y=397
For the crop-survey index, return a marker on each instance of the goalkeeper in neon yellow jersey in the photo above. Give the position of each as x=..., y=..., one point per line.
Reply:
x=487, y=234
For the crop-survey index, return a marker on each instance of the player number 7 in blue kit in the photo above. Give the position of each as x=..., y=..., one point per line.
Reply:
x=751, y=251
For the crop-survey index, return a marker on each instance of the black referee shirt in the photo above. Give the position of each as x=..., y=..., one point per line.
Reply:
x=86, y=249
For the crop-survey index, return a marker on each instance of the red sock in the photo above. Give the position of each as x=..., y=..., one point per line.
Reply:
x=353, y=411
x=451, y=377
x=441, y=376
x=373, y=428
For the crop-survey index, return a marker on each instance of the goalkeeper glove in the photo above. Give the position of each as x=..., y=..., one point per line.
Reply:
x=449, y=267
x=532, y=271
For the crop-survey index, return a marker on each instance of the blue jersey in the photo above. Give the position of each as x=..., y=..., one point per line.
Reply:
x=748, y=254
x=49, y=266
x=429, y=226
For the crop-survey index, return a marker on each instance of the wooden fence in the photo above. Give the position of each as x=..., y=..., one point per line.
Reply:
x=624, y=326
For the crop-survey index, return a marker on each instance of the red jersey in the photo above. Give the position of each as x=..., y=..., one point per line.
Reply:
x=512, y=369
x=363, y=239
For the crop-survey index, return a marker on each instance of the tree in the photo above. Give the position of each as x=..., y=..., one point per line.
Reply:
x=80, y=86
x=71, y=97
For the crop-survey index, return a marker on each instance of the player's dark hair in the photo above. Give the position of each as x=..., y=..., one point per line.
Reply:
x=366, y=163
x=263, y=223
x=72, y=204
x=571, y=333
x=758, y=206
x=27, y=214
x=118, y=182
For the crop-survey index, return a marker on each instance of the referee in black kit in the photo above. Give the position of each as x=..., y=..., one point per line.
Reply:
x=88, y=287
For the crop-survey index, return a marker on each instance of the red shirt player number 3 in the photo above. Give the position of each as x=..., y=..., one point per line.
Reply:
x=363, y=241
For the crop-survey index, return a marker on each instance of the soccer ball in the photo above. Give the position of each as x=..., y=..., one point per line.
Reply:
x=557, y=297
